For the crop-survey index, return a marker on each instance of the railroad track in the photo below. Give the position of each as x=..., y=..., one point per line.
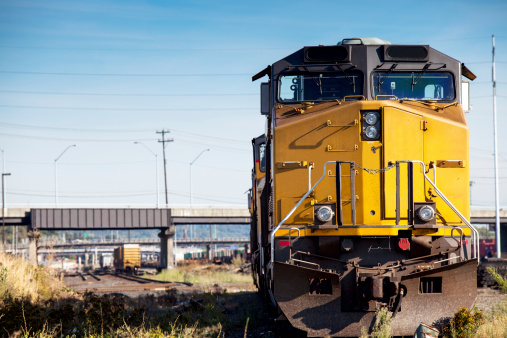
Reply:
x=110, y=282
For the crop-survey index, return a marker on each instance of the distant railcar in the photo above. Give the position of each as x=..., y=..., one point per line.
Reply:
x=360, y=188
x=106, y=260
x=127, y=258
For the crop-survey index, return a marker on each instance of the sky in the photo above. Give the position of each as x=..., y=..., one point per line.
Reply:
x=102, y=75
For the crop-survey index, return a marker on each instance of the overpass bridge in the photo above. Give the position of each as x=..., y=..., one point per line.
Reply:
x=86, y=219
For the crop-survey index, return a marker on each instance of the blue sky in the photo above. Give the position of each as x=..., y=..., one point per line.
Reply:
x=104, y=74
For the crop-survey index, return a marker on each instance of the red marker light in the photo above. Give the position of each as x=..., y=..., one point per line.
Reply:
x=404, y=244
x=283, y=243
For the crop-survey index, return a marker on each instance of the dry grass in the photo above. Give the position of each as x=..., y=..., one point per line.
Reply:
x=20, y=279
x=32, y=304
x=496, y=322
x=237, y=261
x=206, y=275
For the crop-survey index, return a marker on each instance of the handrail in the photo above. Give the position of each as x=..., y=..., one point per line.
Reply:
x=456, y=211
x=272, y=259
x=474, y=231
x=460, y=242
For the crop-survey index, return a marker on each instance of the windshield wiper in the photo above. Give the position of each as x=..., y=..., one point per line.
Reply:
x=318, y=81
x=414, y=82
x=380, y=83
x=351, y=80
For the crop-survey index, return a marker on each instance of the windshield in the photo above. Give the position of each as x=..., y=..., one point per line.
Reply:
x=415, y=85
x=320, y=86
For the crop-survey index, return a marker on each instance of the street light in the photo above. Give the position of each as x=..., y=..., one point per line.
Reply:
x=156, y=168
x=56, y=173
x=205, y=150
x=3, y=208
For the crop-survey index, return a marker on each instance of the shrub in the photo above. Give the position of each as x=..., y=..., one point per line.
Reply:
x=382, y=326
x=502, y=282
x=465, y=323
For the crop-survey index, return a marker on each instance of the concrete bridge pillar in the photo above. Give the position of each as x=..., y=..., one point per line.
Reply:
x=166, y=248
x=210, y=253
x=33, y=238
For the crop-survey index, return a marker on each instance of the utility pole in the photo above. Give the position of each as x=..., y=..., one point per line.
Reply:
x=3, y=209
x=164, y=141
x=497, y=203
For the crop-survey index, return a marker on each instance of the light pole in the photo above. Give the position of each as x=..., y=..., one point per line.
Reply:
x=156, y=168
x=3, y=209
x=56, y=172
x=205, y=150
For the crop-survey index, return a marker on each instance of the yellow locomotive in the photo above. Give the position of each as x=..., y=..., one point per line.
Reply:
x=360, y=193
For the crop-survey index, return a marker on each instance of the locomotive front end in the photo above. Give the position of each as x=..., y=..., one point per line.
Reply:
x=364, y=199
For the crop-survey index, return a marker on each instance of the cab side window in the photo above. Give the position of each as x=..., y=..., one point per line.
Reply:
x=262, y=157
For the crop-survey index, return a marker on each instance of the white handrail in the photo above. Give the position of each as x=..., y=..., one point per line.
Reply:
x=456, y=211
x=272, y=260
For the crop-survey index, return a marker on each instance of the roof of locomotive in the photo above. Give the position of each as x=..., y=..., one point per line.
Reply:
x=367, y=55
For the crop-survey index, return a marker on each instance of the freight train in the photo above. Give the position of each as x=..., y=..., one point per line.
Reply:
x=359, y=196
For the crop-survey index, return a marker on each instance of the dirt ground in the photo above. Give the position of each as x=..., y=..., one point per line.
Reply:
x=242, y=303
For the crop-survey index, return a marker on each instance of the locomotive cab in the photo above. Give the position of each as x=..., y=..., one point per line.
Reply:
x=364, y=202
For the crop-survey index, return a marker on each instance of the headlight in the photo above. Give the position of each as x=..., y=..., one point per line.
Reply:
x=426, y=213
x=371, y=118
x=371, y=132
x=371, y=125
x=324, y=214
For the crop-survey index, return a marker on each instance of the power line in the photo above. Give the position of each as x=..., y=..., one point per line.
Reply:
x=12, y=125
x=224, y=148
x=73, y=139
x=147, y=49
x=81, y=163
x=22, y=126
x=238, y=170
x=211, y=137
x=124, y=74
x=123, y=195
x=214, y=146
x=125, y=109
x=479, y=62
x=124, y=94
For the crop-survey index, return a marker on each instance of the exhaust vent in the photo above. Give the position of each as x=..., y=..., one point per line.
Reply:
x=430, y=285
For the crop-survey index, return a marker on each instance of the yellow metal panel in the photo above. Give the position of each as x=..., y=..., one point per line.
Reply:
x=302, y=215
x=446, y=144
x=403, y=141
x=306, y=140
x=370, y=188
